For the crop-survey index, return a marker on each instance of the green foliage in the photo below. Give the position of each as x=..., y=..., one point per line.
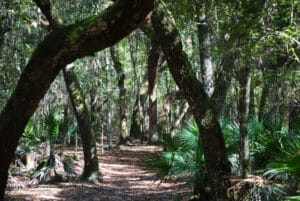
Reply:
x=53, y=123
x=267, y=192
x=265, y=144
x=292, y=198
x=33, y=134
x=46, y=128
x=41, y=174
x=184, y=158
x=286, y=166
x=231, y=131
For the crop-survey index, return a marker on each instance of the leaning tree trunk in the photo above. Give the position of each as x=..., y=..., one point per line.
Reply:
x=91, y=164
x=58, y=49
x=245, y=87
x=212, y=139
x=124, y=134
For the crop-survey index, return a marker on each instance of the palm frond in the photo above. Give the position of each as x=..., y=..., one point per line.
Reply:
x=287, y=163
x=52, y=121
x=160, y=164
x=189, y=137
x=267, y=192
x=169, y=141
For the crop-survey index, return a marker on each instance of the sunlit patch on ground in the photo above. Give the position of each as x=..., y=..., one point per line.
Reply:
x=123, y=180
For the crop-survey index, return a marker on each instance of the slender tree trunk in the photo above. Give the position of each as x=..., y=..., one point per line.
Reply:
x=109, y=102
x=245, y=87
x=58, y=49
x=263, y=100
x=5, y=24
x=183, y=109
x=212, y=140
x=124, y=134
x=65, y=131
x=294, y=117
x=204, y=50
x=252, y=106
x=223, y=82
x=91, y=164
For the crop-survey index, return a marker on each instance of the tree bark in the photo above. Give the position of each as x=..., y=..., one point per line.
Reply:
x=58, y=49
x=245, y=87
x=223, y=82
x=136, y=127
x=153, y=60
x=91, y=164
x=263, y=100
x=212, y=140
x=204, y=50
x=50, y=12
x=124, y=134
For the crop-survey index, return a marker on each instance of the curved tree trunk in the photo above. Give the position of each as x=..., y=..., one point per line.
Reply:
x=124, y=134
x=91, y=164
x=212, y=140
x=58, y=49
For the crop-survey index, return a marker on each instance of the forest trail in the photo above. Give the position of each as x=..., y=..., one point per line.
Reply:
x=123, y=180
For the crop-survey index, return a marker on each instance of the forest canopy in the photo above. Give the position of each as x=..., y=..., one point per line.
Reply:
x=213, y=85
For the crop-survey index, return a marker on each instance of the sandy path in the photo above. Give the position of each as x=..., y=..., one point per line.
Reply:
x=123, y=180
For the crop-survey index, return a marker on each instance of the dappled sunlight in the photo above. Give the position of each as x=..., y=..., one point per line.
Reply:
x=123, y=180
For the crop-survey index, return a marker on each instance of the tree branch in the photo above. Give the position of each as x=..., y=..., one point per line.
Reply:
x=59, y=48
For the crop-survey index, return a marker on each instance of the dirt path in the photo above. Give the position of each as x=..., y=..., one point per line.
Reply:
x=123, y=180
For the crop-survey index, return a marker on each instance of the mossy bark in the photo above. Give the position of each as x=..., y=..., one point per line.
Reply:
x=58, y=49
x=91, y=164
x=212, y=139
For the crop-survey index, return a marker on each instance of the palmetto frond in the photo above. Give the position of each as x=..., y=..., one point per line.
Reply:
x=184, y=158
x=189, y=137
x=53, y=122
x=287, y=163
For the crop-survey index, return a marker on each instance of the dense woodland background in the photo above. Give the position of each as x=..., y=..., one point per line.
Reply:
x=236, y=86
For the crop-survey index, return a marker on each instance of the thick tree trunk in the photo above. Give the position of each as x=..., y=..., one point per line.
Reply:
x=245, y=87
x=153, y=60
x=58, y=49
x=136, y=127
x=212, y=139
x=91, y=164
x=124, y=134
